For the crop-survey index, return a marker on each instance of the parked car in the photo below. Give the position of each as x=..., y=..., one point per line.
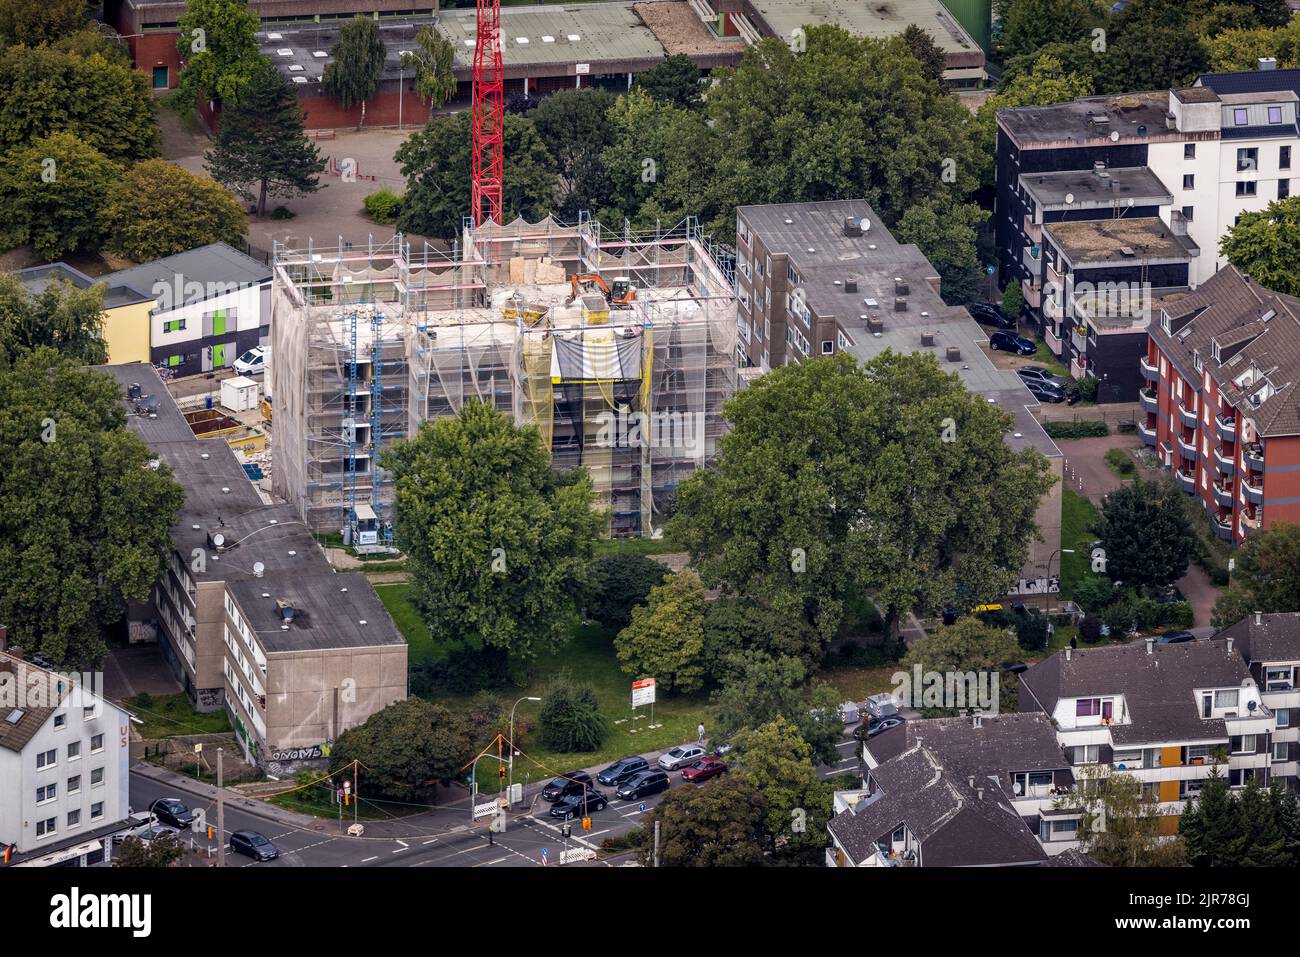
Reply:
x=173, y=812
x=1041, y=376
x=580, y=804
x=1175, y=637
x=639, y=785
x=1045, y=392
x=1004, y=340
x=572, y=783
x=144, y=828
x=990, y=315
x=253, y=361
x=874, y=726
x=255, y=845
x=704, y=769
x=621, y=770
x=681, y=756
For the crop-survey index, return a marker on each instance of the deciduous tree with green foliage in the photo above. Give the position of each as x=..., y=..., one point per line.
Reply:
x=85, y=521
x=570, y=718
x=261, y=149
x=159, y=209
x=775, y=760
x=620, y=583
x=675, y=81
x=1265, y=245
x=52, y=195
x=217, y=42
x=720, y=825
x=356, y=65
x=1013, y=300
x=32, y=23
x=1145, y=533
x=406, y=750
x=575, y=126
x=1029, y=25
x=839, y=479
x=162, y=851
x=757, y=688
x=60, y=317
x=665, y=639
x=735, y=625
x=1120, y=821
x=499, y=544
x=432, y=60
x=1266, y=576
x=927, y=53
x=968, y=646
x=945, y=232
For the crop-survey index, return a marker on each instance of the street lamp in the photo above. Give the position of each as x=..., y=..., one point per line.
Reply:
x=511, y=785
x=1048, y=584
x=402, y=56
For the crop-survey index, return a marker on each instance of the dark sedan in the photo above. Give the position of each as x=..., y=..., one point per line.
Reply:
x=572, y=783
x=172, y=812
x=253, y=844
x=704, y=769
x=639, y=785
x=621, y=770
x=990, y=315
x=580, y=804
x=1003, y=340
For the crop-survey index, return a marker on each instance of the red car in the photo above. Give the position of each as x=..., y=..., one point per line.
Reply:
x=704, y=769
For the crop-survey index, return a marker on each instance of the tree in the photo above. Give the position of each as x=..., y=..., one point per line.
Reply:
x=620, y=583
x=1151, y=47
x=436, y=165
x=945, y=232
x=926, y=52
x=1029, y=25
x=1265, y=244
x=432, y=59
x=85, y=518
x=675, y=81
x=162, y=851
x=60, y=317
x=405, y=750
x=839, y=479
x=757, y=688
x=1241, y=49
x=666, y=636
x=1267, y=576
x=217, y=42
x=1120, y=822
x=574, y=125
x=159, y=209
x=570, y=718
x=969, y=646
x=52, y=193
x=734, y=625
x=261, y=148
x=31, y=24
x=777, y=762
x=1255, y=827
x=498, y=544
x=104, y=103
x=1013, y=300
x=1210, y=825
x=1145, y=534
x=356, y=65
x=720, y=825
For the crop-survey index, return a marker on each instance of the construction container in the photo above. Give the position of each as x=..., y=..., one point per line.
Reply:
x=239, y=394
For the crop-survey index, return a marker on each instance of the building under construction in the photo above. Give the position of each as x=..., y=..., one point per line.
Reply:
x=620, y=348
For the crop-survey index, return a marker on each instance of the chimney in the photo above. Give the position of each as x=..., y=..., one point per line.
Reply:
x=1229, y=644
x=927, y=338
x=1068, y=652
x=900, y=286
x=979, y=793
x=875, y=324
x=1267, y=63
x=900, y=304
x=850, y=285
x=978, y=721
x=1151, y=644
x=1259, y=618
x=971, y=779
x=852, y=227
x=1177, y=223
x=953, y=354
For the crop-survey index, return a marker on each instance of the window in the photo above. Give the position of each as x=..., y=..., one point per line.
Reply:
x=1277, y=678
x=1189, y=151
x=173, y=325
x=1247, y=159
x=1094, y=707
x=1225, y=699
x=1283, y=716
x=1086, y=753
x=1283, y=188
x=1274, y=114
x=74, y=784
x=47, y=792
x=1284, y=157
x=900, y=835
x=1188, y=212
x=96, y=777
x=74, y=818
x=828, y=347
x=1246, y=188
x=1240, y=116
x=1189, y=181
x=1281, y=750
x=97, y=744
x=1065, y=827
x=97, y=810
x=175, y=360
x=74, y=750
x=1024, y=781
x=60, y=721
x=48, y=826
x=1128, y=759
x=1242, y=743
x=47, y=758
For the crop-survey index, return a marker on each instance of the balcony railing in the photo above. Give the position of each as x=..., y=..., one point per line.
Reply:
x=1052, y=339
x=1150, y=371
x=1186, y=416
x=1033, y=293
x=1252, y=456
x=1253, y=490
x=1249, y=523
x=1148, y=434
x=1223, y=463
x=1225, y=429
x=1079, y=341
x=1223, y=527
x=1033, y=230
x=1052, y=308
x=1187, y=448
x=1223, y=495
x=1078, y=366
x=1186, y=480
x=1031, y=257
x=1149, y=399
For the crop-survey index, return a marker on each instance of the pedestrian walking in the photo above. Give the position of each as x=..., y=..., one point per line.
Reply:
x=700, y=729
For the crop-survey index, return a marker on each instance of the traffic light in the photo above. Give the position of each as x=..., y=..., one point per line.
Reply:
x=501, y=772
x=586, y=824
x=209, y=832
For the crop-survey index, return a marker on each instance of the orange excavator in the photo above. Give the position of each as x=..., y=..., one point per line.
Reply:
x=622, y=294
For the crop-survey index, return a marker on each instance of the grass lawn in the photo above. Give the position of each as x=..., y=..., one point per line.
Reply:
x=1046, y=357
x=421, y=648
x=1077, y=516
x=166, y=715
x=1121, y=462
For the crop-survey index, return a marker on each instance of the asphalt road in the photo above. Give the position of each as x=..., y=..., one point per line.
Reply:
x=442, y=837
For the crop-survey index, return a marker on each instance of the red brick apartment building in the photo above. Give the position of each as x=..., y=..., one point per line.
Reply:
x=1221, y=401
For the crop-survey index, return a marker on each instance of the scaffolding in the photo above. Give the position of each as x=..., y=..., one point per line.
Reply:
x=369, y=343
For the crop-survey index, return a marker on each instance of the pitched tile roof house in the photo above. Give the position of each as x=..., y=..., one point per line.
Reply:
x=1270, y=645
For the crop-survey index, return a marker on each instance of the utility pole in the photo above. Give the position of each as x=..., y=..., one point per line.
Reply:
x=656, y=861
x=221, y=810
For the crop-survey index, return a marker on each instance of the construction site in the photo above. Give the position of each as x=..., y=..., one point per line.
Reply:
x=619, y=348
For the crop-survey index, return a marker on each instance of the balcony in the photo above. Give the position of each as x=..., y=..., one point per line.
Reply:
x=1052, y=339
x=1078, y=366
x=1149, y=399
x=1031, y=257
x=1186, y=480
x=1187, y=448
x=1149, y=371
x=1253, y=457
x=1253, y=489
x=1225, y=429
x=1223, y=463
x=1148, y=434
x=1186, y=416
x=1052, y=308
x=1249, y=523
x=1079, y=341
x=1223, y=494
x=1033, y=293
x=1033, y=230
x=1222, y=527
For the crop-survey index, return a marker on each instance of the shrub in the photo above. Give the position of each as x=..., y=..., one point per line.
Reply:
x=1031, y=630
x=282, y=212
x=383, y=205
x=1094, y=593
x=1121, y=463
x=621, y=583
x=570, y=717
x=143, y=700
x=1079, y=429
x=1090, y=629
x=1088, y=388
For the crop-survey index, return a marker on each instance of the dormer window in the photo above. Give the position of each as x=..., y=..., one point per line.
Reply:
x=1274, y=114
x=1240, y=115
x=1103, y=708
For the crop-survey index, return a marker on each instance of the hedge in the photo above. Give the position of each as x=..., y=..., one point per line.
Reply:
x=1079, y=429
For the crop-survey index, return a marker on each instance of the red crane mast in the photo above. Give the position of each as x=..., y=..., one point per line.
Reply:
x=488, y=115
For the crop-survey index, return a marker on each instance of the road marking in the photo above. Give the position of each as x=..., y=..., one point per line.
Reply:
x=369, y=859
x=845, y=744
x=490, y=863
x=401, y=842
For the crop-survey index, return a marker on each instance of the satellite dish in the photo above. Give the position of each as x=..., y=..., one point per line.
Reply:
x=1069, y=199
x=1130, y=200
x=1114, y=136
x=218, y=539
x=258, y=568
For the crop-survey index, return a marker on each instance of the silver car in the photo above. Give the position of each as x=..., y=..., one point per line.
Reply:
x=682, y=756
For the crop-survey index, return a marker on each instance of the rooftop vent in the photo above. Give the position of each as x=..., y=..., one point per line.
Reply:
x=852, y=228
x=953, y=354
x=900, y=304
x=875, y=325
x=285, y=610
x=927, y=338
x=133, y=391
x=1099, y=168
x=850, y=285
x=1267, y=63
x=900, y=286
